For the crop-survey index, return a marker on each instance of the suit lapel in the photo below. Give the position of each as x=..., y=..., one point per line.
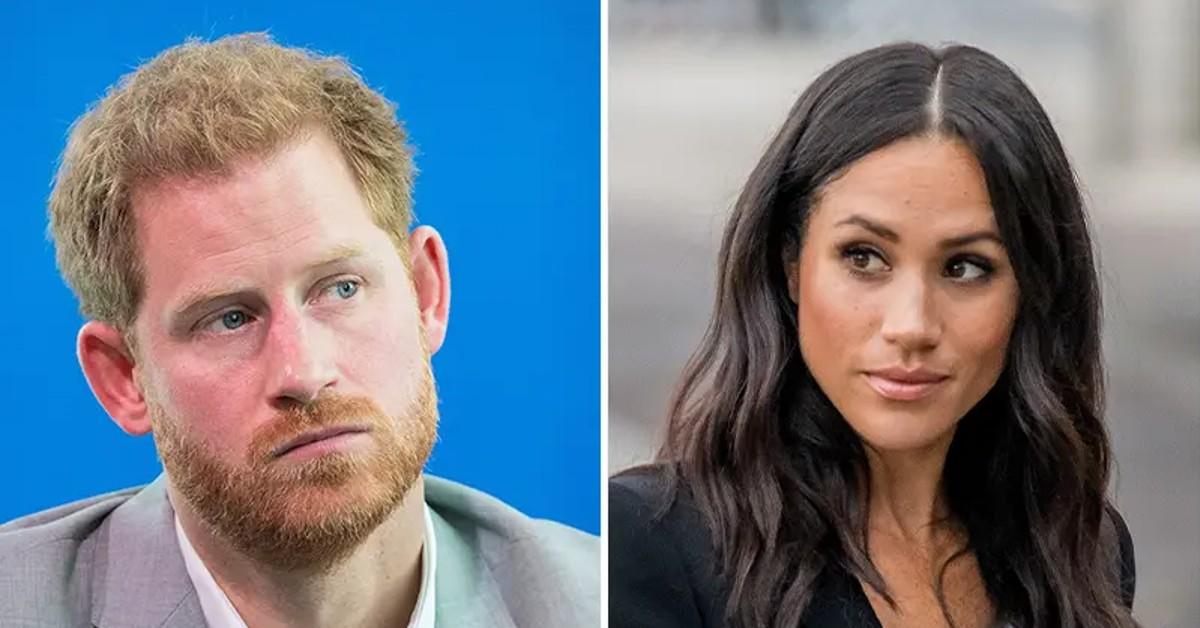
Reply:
x=140, y=579
x=467, y=593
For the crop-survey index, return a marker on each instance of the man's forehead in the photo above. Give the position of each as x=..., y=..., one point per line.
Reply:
x=309, y=167
x=280, y=265
x=255, y=204
x=152, y=190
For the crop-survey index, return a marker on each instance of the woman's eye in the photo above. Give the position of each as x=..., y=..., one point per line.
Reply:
x=864, y=260
x=967, y=270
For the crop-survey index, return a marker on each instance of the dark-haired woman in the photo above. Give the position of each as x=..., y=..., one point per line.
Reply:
x=895, y=417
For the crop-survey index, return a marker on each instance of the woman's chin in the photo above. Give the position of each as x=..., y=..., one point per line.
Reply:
x=898, y=434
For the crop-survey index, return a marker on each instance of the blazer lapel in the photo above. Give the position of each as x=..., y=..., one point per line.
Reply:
x=468, y=596
x=140, y=579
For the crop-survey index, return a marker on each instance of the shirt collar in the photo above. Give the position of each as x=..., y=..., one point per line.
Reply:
x=220, y=613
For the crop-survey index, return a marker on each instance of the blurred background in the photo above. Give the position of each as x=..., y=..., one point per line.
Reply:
x=698, y=87
x=502, y=102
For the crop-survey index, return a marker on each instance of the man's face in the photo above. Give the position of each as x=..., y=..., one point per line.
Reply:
x=275, y=312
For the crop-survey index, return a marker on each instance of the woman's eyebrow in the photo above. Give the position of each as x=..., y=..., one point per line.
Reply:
x=892, y=236
x=869, y=225
x=975, y=236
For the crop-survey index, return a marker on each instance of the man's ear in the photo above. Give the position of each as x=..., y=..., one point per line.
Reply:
x=431, y=281
x=110, y=372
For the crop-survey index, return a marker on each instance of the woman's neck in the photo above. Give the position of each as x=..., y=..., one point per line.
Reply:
x=907, y=497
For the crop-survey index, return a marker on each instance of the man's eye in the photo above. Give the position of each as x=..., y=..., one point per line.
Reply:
x=346, y=288
x=233, y=320
x=228, y=321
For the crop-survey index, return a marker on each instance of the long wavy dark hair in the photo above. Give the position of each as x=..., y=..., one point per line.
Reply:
x=773, y=467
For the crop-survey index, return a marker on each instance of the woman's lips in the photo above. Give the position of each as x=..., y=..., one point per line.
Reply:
x=902, y=391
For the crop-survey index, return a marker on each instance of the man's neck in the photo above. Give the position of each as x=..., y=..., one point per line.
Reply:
x=376, y=585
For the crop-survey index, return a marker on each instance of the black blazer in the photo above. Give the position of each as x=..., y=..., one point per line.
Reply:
x=662, y=572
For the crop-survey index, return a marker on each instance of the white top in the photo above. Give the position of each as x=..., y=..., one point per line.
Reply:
x=220, y=613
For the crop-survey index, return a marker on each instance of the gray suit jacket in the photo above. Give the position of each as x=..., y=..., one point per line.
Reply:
x=113, y=561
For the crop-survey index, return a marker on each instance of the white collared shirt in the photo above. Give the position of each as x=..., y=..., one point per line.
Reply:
x=220, y=613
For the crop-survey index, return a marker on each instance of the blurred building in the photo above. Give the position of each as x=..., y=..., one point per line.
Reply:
x=698, y=87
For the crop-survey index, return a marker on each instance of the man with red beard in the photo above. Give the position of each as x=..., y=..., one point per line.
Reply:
x=234, y=217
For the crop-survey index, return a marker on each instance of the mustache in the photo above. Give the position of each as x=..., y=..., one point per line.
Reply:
x=326, y=411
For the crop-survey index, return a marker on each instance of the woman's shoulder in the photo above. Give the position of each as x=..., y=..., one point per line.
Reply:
x=650, y=501
x=646, y=484
x=661, y=561
x=640, y=484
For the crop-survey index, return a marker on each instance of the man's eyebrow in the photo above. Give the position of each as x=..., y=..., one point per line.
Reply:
x=210, y=293
x=339, y=253
x=892, y=236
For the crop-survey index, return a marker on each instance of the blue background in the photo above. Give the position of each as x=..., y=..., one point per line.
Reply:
x=502, y=103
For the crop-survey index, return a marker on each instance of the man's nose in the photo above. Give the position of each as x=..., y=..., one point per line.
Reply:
x=301, y=359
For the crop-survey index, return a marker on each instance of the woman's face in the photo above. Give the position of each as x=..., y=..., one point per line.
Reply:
x=906, y=298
